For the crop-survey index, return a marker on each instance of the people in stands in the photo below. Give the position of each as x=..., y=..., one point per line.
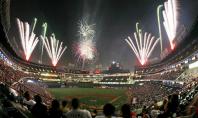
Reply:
x=76, y=112
x=126, y=111
x=172, y=107
x=155, y=112
x=94, y=113
x=193, y=109
x=195, y=106
x=64, y=107
x=108, y=111
x=87, y=113
x=174, y=104
x=39, y=110
x=164, y=105
x=133, y=114
x=144, y=113
x=55, y=111
x=28, y=101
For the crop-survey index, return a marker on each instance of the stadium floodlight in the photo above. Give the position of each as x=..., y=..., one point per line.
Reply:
x=54, y=48
x=28, y=37
x=170, y=20
x=143, y=46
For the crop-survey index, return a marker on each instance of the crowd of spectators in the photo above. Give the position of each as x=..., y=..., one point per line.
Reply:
x=175, y=100
x=176, y=103
x=144, y=93
x=166, y=75
x=12, y=77
x=8, y=74
x=33, y=89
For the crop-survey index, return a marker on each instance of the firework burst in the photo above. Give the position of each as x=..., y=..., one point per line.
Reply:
x=86, y=46
x=86, y=31
x=85, y=49
x=143, y=46
x=28, y=37
x=170, y=20
x=54, y=48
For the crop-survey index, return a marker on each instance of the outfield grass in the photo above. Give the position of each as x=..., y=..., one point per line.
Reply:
x=92, y=97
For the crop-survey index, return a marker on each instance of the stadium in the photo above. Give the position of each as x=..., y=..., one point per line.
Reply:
x=32, y=62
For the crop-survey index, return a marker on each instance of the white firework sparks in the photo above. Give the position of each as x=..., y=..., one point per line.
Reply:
x=54, y=48
x=86, y=49
x=86, y=31
x=143, y=46
x=170, y=20
x=86, y=46
x=27, y=37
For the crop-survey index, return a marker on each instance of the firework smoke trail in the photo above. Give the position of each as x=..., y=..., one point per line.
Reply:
x=44, y=35
x=143, y=46
x=54, y=48
x=159, y=25
x=27, y=37
x=170, y=20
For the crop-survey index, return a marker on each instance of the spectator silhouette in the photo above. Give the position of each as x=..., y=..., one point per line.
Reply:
x=108, y=111
x=64, y=107
x=172, y=107
x=39, y=110
x=76, y=112
x=54, y=111
x=125, y=110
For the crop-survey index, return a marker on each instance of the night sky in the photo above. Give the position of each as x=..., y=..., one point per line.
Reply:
x=114, y=19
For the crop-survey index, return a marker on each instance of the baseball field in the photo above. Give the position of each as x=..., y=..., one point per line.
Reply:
x=92, y=98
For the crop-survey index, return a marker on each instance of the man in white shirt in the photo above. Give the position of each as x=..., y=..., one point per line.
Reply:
x=76, y=112
x=28, y=101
